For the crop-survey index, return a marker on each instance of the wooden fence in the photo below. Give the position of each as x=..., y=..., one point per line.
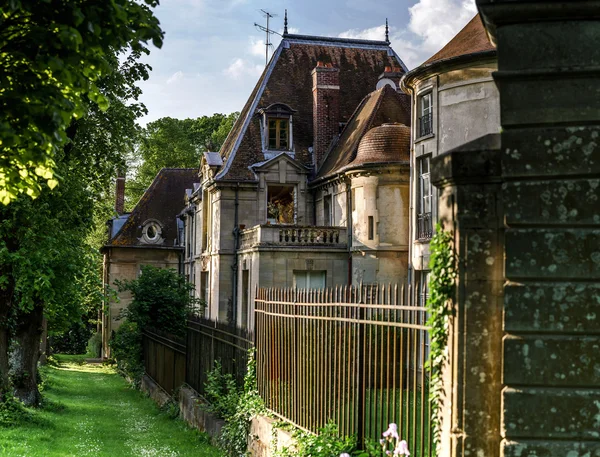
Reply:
x=209, y=341
x=164, y=359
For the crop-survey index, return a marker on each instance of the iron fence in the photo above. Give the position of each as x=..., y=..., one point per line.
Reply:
x=209, y=341
x=164, y=359
x=352, y=355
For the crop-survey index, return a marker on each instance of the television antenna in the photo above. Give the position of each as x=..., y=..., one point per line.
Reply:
x=268, y=32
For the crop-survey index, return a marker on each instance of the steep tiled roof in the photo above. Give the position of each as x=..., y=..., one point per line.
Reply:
x=379, y=107
x=471, y=39
x=388, y=143
x=162, y=202
x=287, y=79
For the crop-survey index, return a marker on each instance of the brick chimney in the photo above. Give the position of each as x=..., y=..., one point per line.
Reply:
x=120, y=193
x=326, y=109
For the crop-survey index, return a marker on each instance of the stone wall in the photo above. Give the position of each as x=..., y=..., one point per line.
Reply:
x=124, y=264
x=465, y=107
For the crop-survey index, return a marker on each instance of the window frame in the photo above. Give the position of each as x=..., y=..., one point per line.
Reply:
x=424, y=218
x=327, y=212
x=278, y=146
x=277, y=112
x=425, y=119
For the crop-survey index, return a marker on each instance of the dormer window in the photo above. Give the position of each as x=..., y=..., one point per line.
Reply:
x=279, y=133
x=277, y=128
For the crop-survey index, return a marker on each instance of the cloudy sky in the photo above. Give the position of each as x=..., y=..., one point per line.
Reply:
x=213, y=55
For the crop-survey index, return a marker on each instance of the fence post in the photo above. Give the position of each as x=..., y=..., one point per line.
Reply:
x=360, y=369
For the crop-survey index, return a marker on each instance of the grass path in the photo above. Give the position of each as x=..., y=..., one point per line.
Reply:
x=91, y=411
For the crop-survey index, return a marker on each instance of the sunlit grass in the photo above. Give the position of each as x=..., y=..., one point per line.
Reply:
x=89, y=410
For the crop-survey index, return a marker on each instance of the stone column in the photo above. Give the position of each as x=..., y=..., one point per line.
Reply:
x=549, y=81
x=470, y=206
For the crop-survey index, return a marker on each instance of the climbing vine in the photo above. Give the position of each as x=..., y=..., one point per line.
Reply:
x=441, y=291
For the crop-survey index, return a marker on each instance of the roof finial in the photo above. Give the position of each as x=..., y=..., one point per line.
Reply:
x=387, y=31
x=285, y=30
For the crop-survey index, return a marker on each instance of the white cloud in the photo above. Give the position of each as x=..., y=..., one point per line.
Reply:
x=374, y=33
x=257, y=47
x=240, y=68
x=437, y=21
x=175, y=77
x=432, y=24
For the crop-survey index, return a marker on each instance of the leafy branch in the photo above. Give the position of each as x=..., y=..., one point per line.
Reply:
x=441, y=292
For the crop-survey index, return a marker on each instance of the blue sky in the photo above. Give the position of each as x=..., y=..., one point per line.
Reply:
x=213, y=55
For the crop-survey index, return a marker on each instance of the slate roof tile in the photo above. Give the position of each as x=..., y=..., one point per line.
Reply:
x=287, y=79
x=162, y=201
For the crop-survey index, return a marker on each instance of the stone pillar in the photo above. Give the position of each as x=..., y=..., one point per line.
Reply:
x=549, y=82
x=470, y=206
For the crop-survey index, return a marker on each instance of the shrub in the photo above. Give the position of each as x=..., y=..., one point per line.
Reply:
x=237, y=406
x=13, y=412
x=326, y=444
x=161, y=299
x=94, y=345
x=71, y=341
x=221, y=392
x=126, y=347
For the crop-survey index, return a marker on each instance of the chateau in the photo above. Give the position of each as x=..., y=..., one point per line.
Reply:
x=323, y=180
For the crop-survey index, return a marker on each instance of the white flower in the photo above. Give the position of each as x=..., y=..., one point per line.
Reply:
x=391, y=432
x=401, y=448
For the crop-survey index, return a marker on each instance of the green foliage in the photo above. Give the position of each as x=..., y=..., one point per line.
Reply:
x=126, y=348
x=221, y=392
x=327, y=443
x=442, y=280
x=74, y=340
x=178, y=143
x=13, y=412
x=162, y=299
x=53, y=55
x=94, y=346
x=236, y=406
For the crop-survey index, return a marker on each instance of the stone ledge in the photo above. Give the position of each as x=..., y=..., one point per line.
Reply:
x=189, y=406
x=263, y=436
x=155, y=392
x=475, y=162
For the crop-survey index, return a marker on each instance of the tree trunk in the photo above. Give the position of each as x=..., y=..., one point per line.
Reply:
x=25, y=356
x=5, y=304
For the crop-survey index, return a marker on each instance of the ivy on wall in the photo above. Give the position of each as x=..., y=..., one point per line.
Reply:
x=441, y=287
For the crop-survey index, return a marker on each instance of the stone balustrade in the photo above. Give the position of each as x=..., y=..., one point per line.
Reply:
x=288, y=235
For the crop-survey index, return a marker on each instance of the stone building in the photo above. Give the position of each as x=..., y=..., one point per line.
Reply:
x=454, y=101
x=275, y=206
x=146, y=236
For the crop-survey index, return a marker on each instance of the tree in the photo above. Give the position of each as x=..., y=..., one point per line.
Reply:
x=169, y=142
x=48, y=254
x=52, y=55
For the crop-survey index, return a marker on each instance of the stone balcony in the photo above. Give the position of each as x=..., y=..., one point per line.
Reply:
x=290, y=236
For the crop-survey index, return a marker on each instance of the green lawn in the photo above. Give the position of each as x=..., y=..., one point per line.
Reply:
x=91, y=411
